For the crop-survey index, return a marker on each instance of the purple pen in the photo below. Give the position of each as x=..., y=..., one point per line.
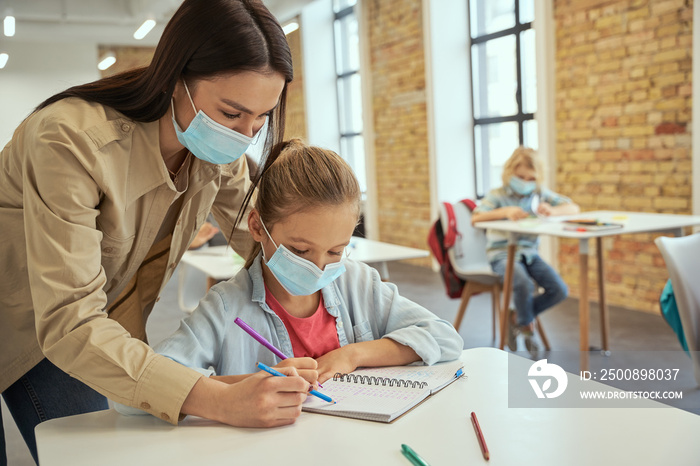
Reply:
x=260, y=339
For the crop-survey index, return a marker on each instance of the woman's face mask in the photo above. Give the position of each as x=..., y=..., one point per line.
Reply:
x=297, y=275
x=209, y=140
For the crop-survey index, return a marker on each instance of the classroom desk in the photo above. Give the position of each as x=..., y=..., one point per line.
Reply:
x=220, y=263
x=633, y=222
x=439, y=430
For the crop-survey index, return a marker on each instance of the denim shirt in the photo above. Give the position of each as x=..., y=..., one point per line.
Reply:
x=364, y=308
x=497, y=241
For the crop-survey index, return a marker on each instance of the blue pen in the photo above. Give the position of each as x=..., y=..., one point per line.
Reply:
x=270, y=370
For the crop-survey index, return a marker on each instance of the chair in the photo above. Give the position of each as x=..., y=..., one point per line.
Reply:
x=469, y=261
x=682, y=257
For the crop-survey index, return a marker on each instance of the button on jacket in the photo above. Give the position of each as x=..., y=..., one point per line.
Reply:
x=83, y=194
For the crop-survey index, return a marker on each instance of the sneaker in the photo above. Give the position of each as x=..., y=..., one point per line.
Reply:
x=531, y=344
x=513, y=331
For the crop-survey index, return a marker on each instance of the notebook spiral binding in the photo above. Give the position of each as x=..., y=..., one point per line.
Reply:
x=373, y=380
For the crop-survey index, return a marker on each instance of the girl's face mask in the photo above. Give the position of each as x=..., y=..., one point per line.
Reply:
x=522, y=187
x=298, y=276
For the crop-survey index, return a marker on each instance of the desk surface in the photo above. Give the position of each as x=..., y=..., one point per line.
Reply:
x=633, y=222
x=220, y=263
x=439, y=430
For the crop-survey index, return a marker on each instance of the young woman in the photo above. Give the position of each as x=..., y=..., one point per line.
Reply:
x=104, y=187
x=522, y=181
x=301, y=292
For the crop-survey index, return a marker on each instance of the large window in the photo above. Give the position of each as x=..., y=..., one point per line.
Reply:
x=347, y=65
x=503, y=84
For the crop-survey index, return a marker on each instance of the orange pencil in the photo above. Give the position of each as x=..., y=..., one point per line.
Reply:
x=480, y=437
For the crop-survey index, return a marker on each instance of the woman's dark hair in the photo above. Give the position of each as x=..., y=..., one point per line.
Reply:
x=203, y=39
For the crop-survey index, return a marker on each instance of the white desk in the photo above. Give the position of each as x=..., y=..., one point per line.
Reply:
x=633, y=222
x=439, y=430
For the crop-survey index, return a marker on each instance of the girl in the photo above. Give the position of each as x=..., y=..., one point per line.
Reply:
x=522, y=182
x=103, y=188
x=301, y=292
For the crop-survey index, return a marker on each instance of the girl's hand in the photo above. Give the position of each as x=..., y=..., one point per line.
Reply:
x=339, y=360
x=514, y=213
x=544, y=209
x=305, y=367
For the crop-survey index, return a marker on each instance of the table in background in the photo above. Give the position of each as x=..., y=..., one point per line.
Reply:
x=633, y=222
x=221, y=263
x=438, y=429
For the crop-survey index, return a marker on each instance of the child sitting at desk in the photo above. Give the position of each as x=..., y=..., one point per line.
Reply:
x=300, y=292
x=522, y=183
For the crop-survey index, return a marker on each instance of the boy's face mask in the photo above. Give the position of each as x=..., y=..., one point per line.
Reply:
x=209, y=140
x=297, y=275
x=522, y=187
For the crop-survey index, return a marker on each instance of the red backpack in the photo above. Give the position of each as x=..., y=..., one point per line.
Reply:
x=440, y=241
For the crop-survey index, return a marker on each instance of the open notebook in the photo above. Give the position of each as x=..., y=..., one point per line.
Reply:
x=383, y=393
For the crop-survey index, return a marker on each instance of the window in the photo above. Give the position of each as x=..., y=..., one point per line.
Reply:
x=503, y=84
x=349, y=85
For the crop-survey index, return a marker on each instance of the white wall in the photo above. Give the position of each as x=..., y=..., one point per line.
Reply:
x=449, y=101
x=319, y=75
x=37, y=71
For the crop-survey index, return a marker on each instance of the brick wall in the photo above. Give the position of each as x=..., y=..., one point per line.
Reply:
x=400, y=121
x=623, y=108
x=296, y=114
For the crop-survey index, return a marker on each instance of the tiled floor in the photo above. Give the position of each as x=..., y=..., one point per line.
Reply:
x=632, y=334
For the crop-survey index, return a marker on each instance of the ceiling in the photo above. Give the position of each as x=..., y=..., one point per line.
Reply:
x=110, y=22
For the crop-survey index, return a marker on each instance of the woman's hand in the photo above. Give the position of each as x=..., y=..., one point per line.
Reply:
x=305, y=367
x=261, y=400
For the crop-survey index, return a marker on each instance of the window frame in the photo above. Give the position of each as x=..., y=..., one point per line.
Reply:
x=481, y=161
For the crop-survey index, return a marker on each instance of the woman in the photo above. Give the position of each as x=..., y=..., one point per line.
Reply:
x=104, y=187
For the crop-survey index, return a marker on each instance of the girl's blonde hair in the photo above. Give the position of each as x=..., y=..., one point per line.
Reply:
x=526, y=157
x=301, y=177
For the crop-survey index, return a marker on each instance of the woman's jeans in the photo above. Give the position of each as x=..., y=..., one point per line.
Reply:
x=43, y=393
x=527, y=304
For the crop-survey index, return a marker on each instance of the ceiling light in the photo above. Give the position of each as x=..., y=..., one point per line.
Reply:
x=3, y=60
x=9, y=25
x=290, y=27
x=107, y=61
x=145, y=28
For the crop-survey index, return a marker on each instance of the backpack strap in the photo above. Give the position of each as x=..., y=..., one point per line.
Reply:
x=451, y=231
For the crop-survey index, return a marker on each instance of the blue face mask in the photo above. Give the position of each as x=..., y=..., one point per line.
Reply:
x=522, y=187
x=209, y=140
x=297, y=275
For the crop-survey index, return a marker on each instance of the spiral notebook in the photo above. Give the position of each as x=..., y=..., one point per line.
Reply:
x=383, y=393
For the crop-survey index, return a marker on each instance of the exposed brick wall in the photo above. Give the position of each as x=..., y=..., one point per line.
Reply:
x=623, y=108
x=127, y=58
x=400, y=121
x=296, y=113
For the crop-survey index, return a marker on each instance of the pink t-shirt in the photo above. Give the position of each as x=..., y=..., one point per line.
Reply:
x=311, y=336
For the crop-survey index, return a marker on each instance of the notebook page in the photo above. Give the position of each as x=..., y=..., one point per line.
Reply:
x=382, y=401
x=378, y=400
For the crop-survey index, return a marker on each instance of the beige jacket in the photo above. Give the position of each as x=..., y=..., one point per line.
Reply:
x=83, y=193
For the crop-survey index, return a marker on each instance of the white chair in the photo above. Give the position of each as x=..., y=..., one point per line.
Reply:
x=682, y=257
x=469, y=261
